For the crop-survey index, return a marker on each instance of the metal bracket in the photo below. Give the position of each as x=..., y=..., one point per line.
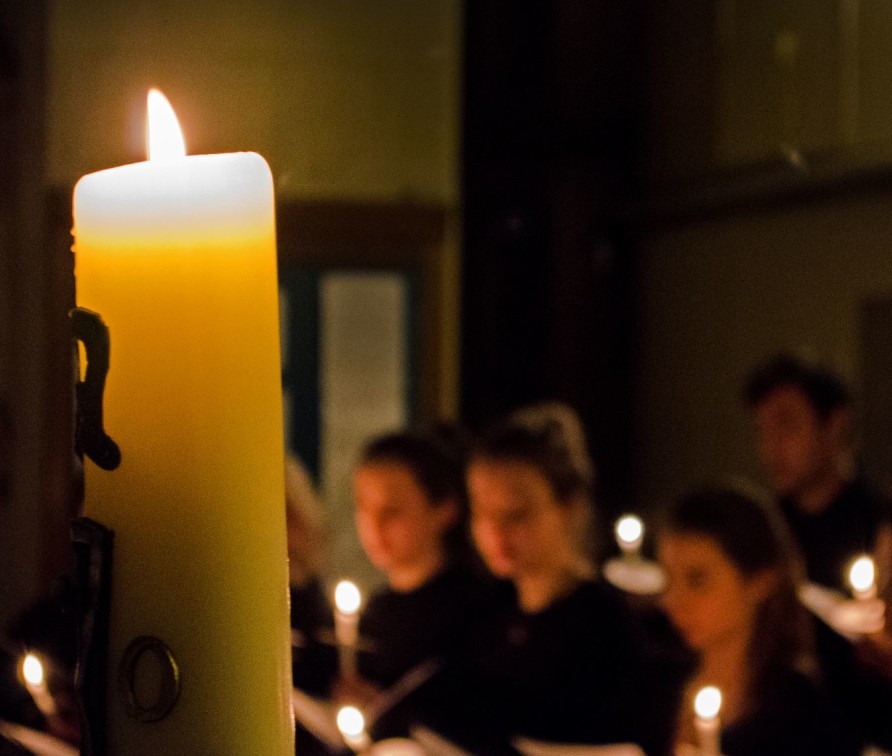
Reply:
x=90, y=437
x=168, y=685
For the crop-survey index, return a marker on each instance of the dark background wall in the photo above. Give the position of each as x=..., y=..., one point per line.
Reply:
x=36, y=454
x=551, y=143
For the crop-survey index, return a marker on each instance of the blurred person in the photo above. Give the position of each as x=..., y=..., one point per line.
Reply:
x=557, y=655
x=803, y=419
x=314, y=656
x=732, y=577
x=411, y=516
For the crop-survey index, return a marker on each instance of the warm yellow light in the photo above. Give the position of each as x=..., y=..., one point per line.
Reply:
x=163, y=133
x=629, y=530
x=347, y=597
x=708, y=702
x=351, y=722
x=32, y=670
x=862, y=575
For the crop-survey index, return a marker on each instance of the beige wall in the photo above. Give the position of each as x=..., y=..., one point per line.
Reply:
x=345, y=98
x=736, y=82
x=718, y=296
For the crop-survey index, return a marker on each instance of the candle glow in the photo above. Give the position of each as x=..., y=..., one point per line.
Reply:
x=351, y=722
x=32, y=670
x=348, y=599
x=629, y=532
x=862, y=577
x=34, y=675
x=708, y=702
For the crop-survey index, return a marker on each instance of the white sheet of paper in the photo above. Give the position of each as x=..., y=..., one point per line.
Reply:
x=39, y=743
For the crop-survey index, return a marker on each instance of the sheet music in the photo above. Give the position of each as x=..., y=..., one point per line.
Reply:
x=39, y=743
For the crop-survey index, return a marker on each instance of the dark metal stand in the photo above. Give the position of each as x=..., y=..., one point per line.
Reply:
x=92, y=541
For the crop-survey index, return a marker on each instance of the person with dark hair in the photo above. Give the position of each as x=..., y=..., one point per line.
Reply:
x=732, y=577
x=803, y=417
x=411, y=515
x=557, y=655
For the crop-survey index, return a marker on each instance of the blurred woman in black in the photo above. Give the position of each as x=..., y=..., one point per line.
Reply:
x=557, y=655
x=731, y=593
x=411, y=515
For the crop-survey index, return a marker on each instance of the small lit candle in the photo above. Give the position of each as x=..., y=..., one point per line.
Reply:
x=629, y=534
x=707, y=704
x=348, y=600
x=351, y=723
x=34, y=675
x=862, y=578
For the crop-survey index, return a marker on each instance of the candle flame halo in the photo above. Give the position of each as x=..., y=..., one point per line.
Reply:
x=351, y=722
x=708, y=702
x=629, y=530
x=347, y=597
x=32, y=670
x=164, y=137
x=862, y=573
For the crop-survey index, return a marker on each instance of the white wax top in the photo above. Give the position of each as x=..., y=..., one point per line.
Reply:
x=222, y=197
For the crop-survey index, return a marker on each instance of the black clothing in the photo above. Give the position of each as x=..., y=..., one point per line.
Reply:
x=314, y=657
x=793, y=718
x=829, y=541
x=399, y=631
x=570, y=673
x=8, y=748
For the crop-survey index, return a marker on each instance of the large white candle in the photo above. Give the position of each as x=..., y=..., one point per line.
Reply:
x=177, y=254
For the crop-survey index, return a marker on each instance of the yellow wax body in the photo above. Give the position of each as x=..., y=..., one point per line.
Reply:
x=178, y=257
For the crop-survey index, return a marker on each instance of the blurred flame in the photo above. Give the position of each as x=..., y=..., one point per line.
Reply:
x=347, y=597
x=708, y=702
x=32, y=670
x=862, y=574
x=629, y=530
x=351, y=722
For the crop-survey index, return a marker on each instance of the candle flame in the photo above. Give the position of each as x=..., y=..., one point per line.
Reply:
x=347, y=597
x=629, y=530
x=862, y=574
x=351, y=722
x=708, y=702
x=32, y=670
x=163, y=133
